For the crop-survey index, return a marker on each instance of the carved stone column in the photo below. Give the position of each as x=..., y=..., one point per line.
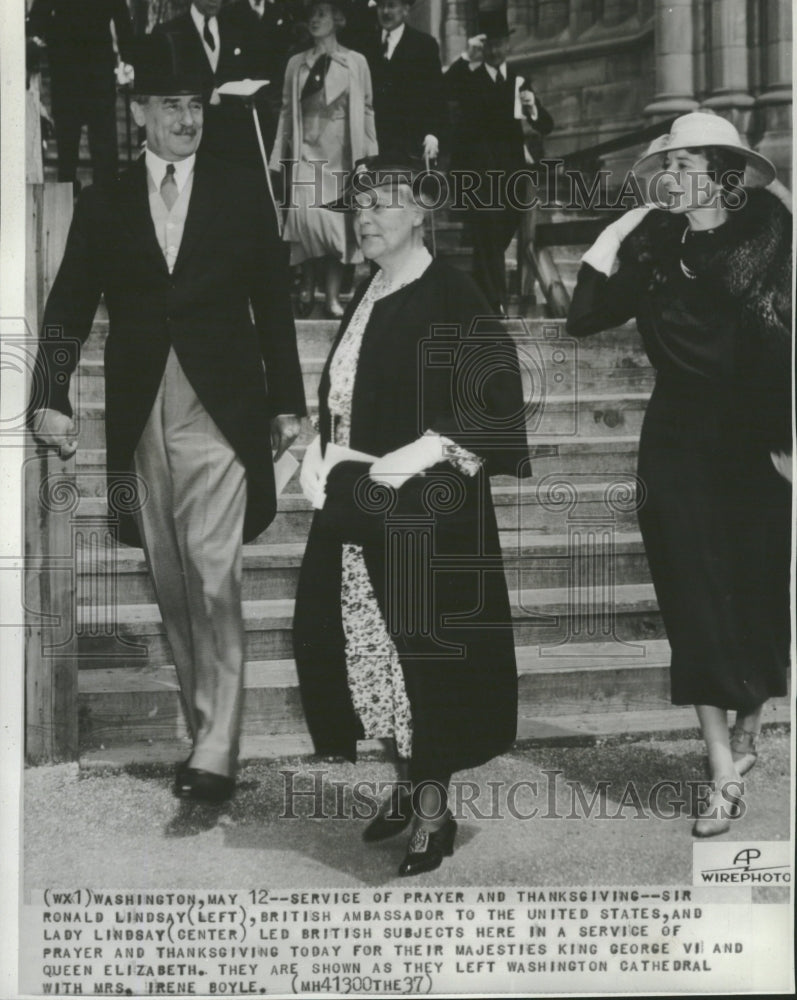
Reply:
x=775, y=102
x=728, y=63
x=674, y=47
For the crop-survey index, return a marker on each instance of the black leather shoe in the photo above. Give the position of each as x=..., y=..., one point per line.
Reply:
x=395, y=815
x=426, y=849
x=203, y=786
x=180, y=771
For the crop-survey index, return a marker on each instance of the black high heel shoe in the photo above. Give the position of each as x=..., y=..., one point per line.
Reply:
x=427, y=848
x=394, y=816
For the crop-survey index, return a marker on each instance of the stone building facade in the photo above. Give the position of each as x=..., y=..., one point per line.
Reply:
x=606, y=67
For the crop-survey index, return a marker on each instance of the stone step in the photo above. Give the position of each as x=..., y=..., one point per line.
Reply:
x=566, y=414
x=271, y=570
x=132, y=635
x=534, y=729
x=120, y=706
x=546, y=505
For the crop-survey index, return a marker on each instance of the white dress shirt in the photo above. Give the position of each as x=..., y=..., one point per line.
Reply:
x=169, y=223
x=213, y=24
x=157, y=169
x=392, y=38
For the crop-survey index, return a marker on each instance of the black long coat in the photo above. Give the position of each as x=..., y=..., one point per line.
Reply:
x=409, y=101
x=230, y=257
x=460, y=672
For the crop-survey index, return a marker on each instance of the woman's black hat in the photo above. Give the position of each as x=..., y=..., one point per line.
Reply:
x=373, y=172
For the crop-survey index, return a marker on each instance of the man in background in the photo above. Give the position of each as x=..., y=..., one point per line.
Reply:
x=82, y=62
x=495, y=106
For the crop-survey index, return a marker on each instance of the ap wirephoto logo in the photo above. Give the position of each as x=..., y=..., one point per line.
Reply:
x=765, y=862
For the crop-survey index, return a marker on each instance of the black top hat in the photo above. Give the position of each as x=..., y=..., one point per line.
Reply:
x=162, y=67
x=383, y=171
x=493, y=23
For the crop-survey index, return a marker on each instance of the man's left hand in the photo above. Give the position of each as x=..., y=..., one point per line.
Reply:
x=284, y=430
x=431, y=147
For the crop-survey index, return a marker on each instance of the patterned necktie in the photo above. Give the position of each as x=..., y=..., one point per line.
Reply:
x=169, y=190
x=315, y=81
x=207, y=34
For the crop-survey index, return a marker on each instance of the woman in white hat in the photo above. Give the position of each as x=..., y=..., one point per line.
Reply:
x=707, y=275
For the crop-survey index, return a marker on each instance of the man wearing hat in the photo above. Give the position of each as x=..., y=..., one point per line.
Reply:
x=409, y=102
x=495, y=108
x=202, y=380
x=219, y=47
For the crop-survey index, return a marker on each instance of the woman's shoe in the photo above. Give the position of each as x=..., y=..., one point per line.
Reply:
x=427, y=848
x=394, y=816
x=724, y=805
x=743, y=750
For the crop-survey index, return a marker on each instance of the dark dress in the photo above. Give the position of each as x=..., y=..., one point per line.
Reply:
x=714, y=514
x=451, y=623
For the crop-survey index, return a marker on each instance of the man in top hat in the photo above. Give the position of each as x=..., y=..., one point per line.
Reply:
x=219, y=48
x=495, y=108
x=409, y=96
x=82, y=60
x=202, y=380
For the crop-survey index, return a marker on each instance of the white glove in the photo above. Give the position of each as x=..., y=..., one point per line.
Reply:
x=312, y=475
x=124, y=74
x=431, y=147
x=395, y=468
x=603, y=252
x=782, y=461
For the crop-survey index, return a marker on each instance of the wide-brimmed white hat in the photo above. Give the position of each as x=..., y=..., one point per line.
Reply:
x=697, y=130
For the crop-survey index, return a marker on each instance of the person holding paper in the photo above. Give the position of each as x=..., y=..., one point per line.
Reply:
x=708, y=276
x=326, y=124
x=498, y=129
x=387, y=645
x=202, y=382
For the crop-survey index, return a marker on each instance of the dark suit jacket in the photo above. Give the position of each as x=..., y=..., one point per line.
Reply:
x=268, y=39
x=464, y=694
x=487, y=136
x=78, y=37
x=409, y=99
x=229, y=130
x=230, y=257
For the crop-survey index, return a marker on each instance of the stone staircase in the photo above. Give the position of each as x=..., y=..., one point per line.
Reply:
x=588, y=631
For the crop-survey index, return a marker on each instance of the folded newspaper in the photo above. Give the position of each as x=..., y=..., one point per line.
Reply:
x=241, y=88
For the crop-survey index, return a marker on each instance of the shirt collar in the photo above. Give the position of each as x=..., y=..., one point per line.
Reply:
x=393, y=34
x=199, y=20
x=494, y=71
x=157, y=169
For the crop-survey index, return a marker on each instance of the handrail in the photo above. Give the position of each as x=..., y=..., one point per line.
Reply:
x=624, y=141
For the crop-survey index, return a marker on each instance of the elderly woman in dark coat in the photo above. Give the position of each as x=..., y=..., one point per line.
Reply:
x=709, y=279
x=403, y=627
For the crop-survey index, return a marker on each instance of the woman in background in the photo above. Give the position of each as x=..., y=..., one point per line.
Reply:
x=708, y=278
x=326, y=125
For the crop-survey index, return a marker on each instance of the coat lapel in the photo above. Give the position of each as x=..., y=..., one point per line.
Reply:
x=336, y=81
x=134, y=207
x=202, y=207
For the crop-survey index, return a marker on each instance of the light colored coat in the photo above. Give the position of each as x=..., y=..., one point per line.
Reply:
x=348, y=70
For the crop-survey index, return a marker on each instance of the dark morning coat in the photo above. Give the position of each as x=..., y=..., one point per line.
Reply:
x=486, y=134
x=461, y=682
x=230, y=256
x=229, y=128
x=409, y=96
